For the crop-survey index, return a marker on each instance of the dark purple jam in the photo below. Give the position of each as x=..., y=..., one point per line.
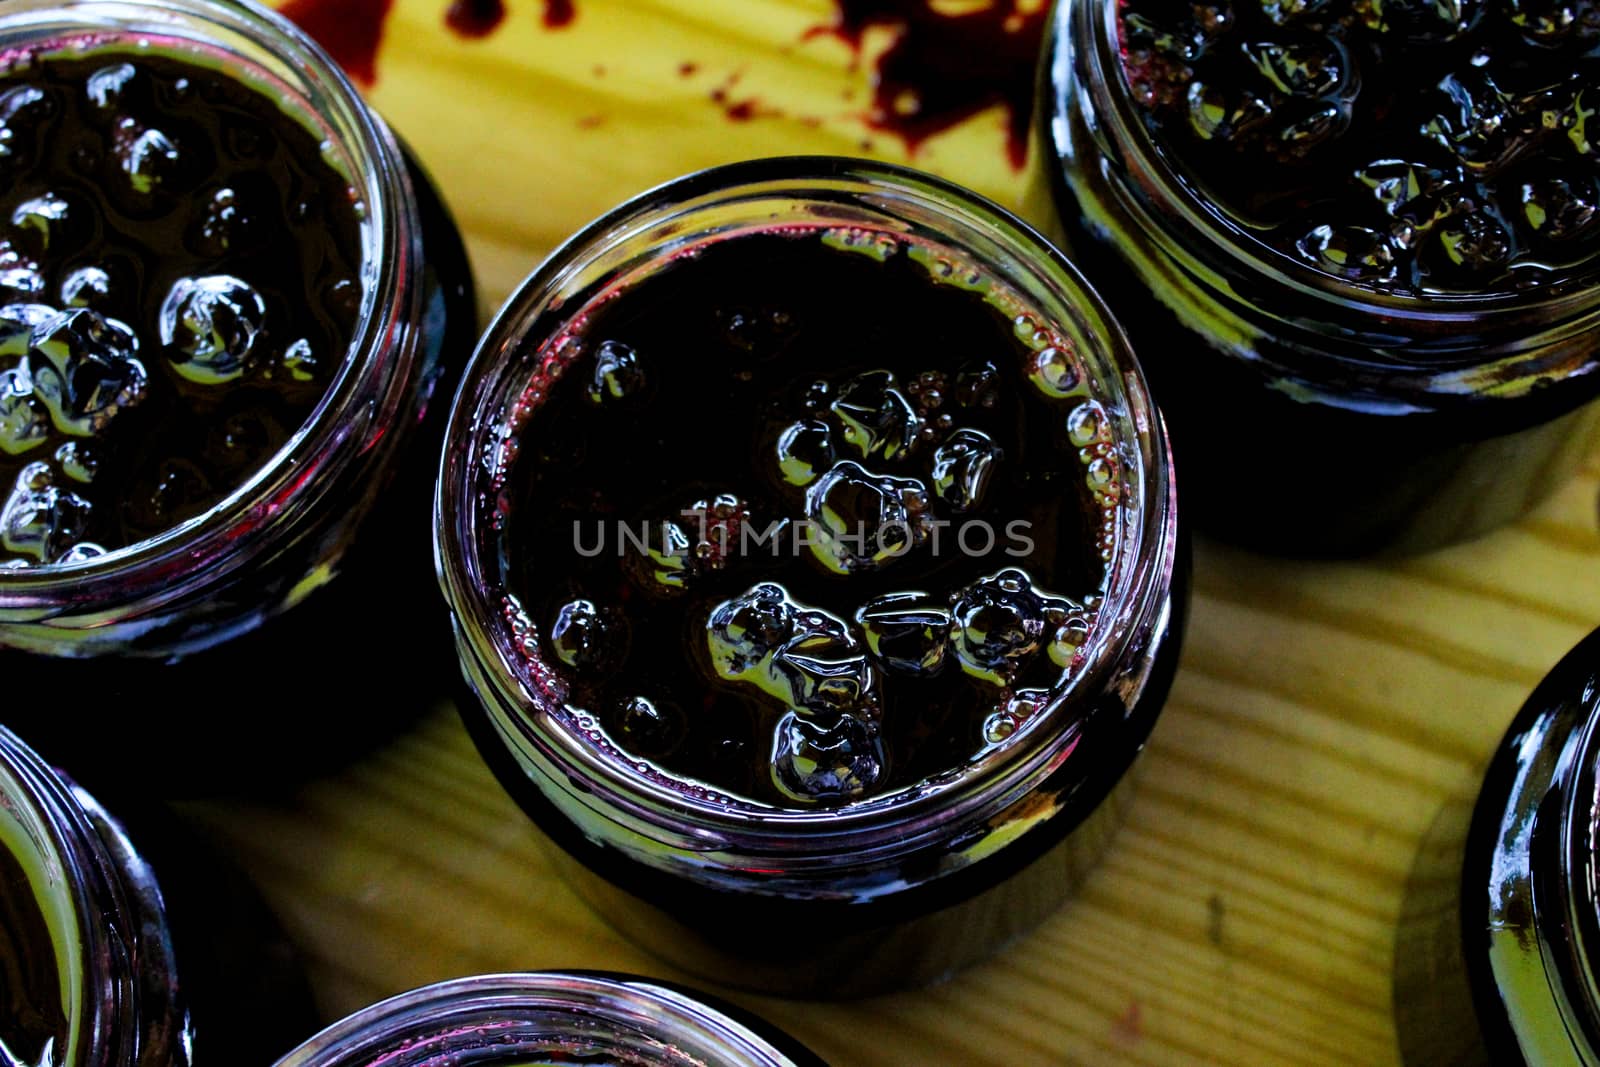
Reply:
x=1412, y=146
x=805, y=516
x=179, y=284
x=32, y=1017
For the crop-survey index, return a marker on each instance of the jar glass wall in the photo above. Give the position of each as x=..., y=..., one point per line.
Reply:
x=895, y=882
x=1316, y=415
x=286, y=577
x=1495, y=955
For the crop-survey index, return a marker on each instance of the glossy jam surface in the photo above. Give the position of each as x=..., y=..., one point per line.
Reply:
x=804, y=516
x=1413, y=146
x=32, y=1018
x=179, y=283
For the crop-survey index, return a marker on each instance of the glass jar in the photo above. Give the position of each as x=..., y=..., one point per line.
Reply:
x=319, y=562
x=1315, y=416
x=135, y=977
x=1496, y=950
x=886, y=891
x=515, y=1020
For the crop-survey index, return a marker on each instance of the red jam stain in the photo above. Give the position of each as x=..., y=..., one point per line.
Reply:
x=558, y=13
x=475, y=18
x=944, y=68
x=743, y=110
x=350, y=31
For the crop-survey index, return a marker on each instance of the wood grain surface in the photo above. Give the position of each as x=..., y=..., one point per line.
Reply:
x=1322, y=716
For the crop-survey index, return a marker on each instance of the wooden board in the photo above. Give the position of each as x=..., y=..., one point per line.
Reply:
x=1322, y=716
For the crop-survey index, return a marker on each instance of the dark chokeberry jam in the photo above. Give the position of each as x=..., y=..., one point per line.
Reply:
x=1410, y=146
x=33, y=1018
x=806, y=515
x=180, y=271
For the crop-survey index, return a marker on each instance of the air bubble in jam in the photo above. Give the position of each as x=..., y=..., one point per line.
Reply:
x=805, y=450
x=1558, y=210
x=20, y=279
x=800, y=656
x=658, y=560
x=84, y=370
x=586, y=638
x=39, y=220
x=148, y=157
x=842, y=760
x=1475, y=242
x=962, y=468
x=225, y=225
x=1086, y=423
x=105, y=87
x=805, y=627
x=1000, y=624
x=877, y=418
x=24, y=423
x=1055, y=372
x=906, y=632
x=40, y=519
x=1354, y=253
x=77, y=461
x=618, y=374
x=86, y=287
x=210, y=325
x=649, y=726
x=860, y=521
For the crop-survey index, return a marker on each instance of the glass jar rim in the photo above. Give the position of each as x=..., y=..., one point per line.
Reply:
x=159, y=568
x=448, y=1018
x=1141, y=573
x=67, y=856
x=1224, y=241
x=1579, y=842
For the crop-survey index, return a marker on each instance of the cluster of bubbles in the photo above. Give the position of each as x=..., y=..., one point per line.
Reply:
x=69, y=374
x=826, y=673
x=667, y=555
x=861, y=518
x=828, y=743
x=68, y=367
x=1498, y=173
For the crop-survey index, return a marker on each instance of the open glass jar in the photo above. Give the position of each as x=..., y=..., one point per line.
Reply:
x=875, y=773
x=92, y=949
x=268, y=581
x=1335, y=407
x=511, y=1020
x=1495, y=957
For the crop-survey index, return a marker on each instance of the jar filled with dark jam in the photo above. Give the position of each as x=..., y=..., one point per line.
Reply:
x=811, y=547
x=1495, y=960
x=547, y=1018
x=227, y=303
x=128, y=949
x=1357, y=245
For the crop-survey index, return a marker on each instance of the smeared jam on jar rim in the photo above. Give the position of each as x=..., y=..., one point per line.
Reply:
x=734, y=507
x=1428, y=149
x=180, y=280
